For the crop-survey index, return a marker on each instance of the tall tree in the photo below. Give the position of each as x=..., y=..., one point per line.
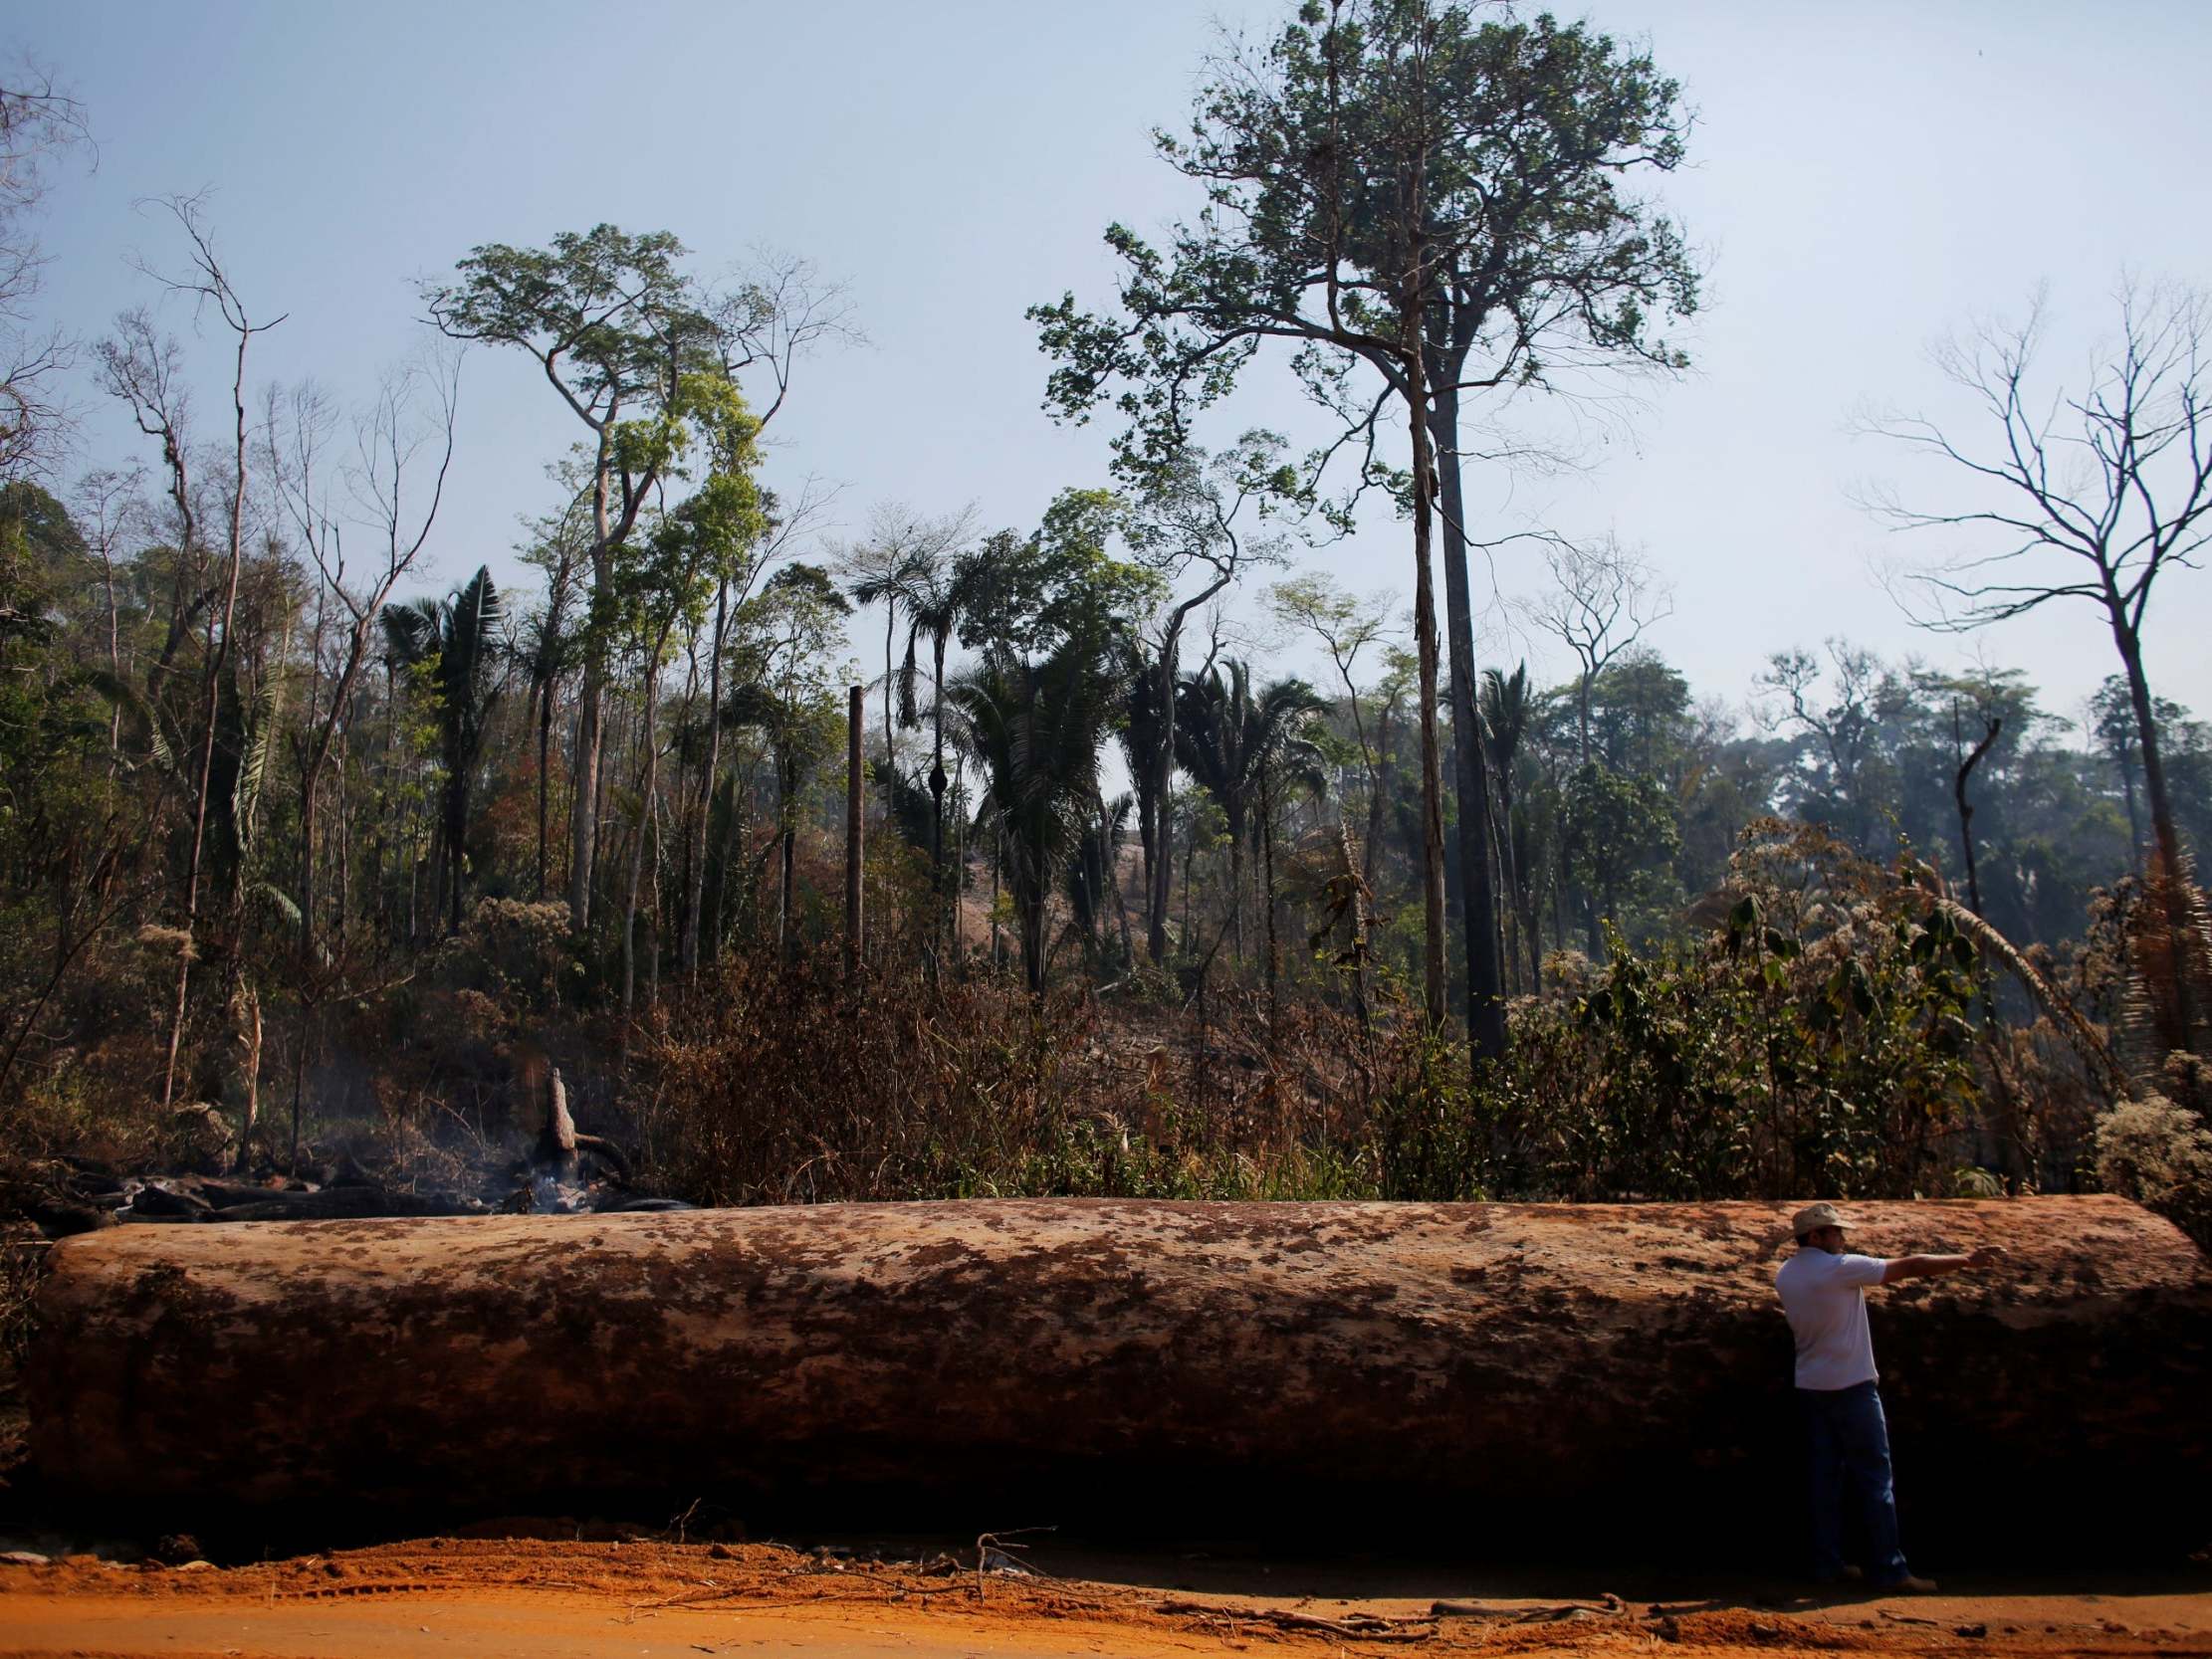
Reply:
x=455, y=642
x=1037, y=728
x=631, y=344
x=413, y=421
x=138, y=367
x=1547, y=268
x=1507, y=711
x=1230, y=737
x=615, y=324
x=1352, y=166
x=905, y=554
x=1602, y=598
x=1206, y=516
x=2090, y=495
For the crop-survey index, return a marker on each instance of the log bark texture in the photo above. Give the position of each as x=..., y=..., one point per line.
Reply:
x=1524, y=1364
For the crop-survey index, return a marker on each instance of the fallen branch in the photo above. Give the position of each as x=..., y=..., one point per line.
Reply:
x=1605, y=1606
x=1366, y=1627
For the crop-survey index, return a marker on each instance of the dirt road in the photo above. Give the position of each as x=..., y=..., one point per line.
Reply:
x=488, y=1598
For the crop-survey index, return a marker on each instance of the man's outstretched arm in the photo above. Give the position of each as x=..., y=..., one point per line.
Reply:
x=1934, y=1267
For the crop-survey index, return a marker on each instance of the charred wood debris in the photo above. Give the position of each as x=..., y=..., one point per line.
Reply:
x=557, y=1170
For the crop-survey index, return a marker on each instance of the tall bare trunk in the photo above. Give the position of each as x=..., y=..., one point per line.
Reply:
x=545, y=779
x=2176, y=873
x=217, y=651
x=1267, y=884
x=585, y=819
x=697, y=900
x=649, y=789
x=1477, y=890
x=1162, y=872
x=1432, y=769
x=937, y=781
x=855, y=774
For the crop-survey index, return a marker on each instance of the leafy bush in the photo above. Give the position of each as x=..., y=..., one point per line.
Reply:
x=2159, y=1155
x=1817, y=1040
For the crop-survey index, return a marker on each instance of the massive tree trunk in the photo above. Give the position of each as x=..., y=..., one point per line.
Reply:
x=1535, y=1365
x=2174, y=870
x=584, y=829
x=1425, y=641
x=1477, y=892
x=1158, y=833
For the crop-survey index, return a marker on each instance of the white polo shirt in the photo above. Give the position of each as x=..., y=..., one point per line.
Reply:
x=1825, y=1298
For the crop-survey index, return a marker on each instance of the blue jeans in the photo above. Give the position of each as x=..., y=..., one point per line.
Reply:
x=1849, y=1441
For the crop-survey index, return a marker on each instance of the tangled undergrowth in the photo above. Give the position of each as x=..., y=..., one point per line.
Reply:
x=1824, y=1024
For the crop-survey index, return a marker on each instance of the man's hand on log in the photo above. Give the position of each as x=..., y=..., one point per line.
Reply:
x=1934, y=1267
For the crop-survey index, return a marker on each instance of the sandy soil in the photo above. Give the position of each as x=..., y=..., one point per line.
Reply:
x=490, y=1597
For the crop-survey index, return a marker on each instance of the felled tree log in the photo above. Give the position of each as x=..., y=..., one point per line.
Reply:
x=1610, y=1370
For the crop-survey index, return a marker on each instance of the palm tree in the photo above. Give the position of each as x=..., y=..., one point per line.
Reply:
x=1233, y=742
x=1094, y=876
x=1506, y=710
x=1038, y=729
x=543, y=652
x=1143, y=730
x=937, y=598
x=455, y=640
x=886, y=581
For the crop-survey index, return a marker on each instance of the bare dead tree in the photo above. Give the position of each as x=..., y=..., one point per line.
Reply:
x=409, y=426
x=1346, y=626
x=1602, y=597
x=1842, y=720
x=38, y=121
x=206, y=281
x=139, y=367
x=109, y=505
x=2088, y=496
x=774, y=312
x=1203, y=515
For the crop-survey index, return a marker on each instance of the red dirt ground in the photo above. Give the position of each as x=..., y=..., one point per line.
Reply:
x=484, y=1599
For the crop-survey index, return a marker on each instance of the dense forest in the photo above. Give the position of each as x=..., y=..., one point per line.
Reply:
x=324, y=847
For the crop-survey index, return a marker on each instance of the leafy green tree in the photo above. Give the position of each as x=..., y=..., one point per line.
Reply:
x=646, y=359
x=1371, y=150
x=787, y=633
x=1031, y=596
x=1229, y=739
x=1548, y=266
x=1621, y=837
x=1037, y=729
x=936, y=603
x=454, y=643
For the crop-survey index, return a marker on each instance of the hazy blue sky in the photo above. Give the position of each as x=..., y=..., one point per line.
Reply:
x=1864, y=178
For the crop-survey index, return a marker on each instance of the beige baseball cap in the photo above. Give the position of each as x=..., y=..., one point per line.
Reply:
x=1816, y=1216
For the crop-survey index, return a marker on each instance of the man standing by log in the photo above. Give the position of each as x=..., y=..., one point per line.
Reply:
x=1823, y=1292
